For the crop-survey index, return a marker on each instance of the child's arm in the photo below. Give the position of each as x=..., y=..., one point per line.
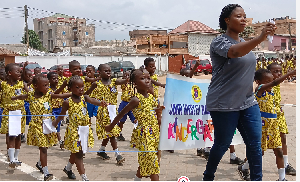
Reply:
x=90, y=90
x=26, y=87
x=194, y=68
x=158, y=83
x=20, y=97
x=61, y=88
x=63, y=112
x=122, y=81
x=95, y=101
x=65, y=95
x=134, y=102
x=274, y=83
x=87, y=79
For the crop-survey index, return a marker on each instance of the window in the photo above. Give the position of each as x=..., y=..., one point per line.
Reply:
x=49, y=33
x=283, y=44
x=64, y=32
x=293, y=42
x=86, y=33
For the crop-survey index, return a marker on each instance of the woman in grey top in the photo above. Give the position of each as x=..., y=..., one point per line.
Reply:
x=230, y=97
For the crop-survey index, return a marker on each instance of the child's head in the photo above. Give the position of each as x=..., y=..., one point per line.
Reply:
x=53, y=78
x=275, y=69
x=150, y=65
x=27, y=75
x=74, y=68
x=90, y=71
x=263, y=76
x=185, y=72
x=76, y=85
x=140, y=78
x=60, y=70
x=126, y=74
x=41, y=83
x=37, y=71
x=104, y=71
x=13, y=71
x=2, y=74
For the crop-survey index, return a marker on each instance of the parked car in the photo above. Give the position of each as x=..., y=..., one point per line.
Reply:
x=66, y=73
x=32, y=65
x=117, y=68
x=205, y=67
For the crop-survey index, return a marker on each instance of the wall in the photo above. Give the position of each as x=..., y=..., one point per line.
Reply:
x=176, y=62
x=199, y=43
x=49, y=61
x=8, y=59
x=277, y=42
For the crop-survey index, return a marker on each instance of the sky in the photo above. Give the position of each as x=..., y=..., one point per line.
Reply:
x=159, y=13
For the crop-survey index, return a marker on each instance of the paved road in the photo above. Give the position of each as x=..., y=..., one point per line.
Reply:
x=180, y=163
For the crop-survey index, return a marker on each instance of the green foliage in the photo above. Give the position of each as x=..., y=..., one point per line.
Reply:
x=34, y=41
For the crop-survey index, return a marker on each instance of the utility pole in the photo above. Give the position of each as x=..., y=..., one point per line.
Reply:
x=290, y=39
x=26, y=26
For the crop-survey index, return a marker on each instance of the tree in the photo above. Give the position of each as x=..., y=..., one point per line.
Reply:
x=245, y=34
x=34, y=41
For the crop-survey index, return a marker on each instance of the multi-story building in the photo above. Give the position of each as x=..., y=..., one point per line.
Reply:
x=64, y=31
x=141, y=33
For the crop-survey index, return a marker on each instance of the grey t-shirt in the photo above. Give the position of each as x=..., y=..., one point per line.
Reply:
x=231, y=87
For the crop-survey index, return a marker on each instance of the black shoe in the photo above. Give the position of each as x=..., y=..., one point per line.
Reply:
x=61, y=144
x=237, y=161
x=289, y=170
x=121, y=138
x=23, y=138
x=39, y=168
x=244, y=174
x=48, y=177
x=103, y=155
x=171, y=151
x=200, y=152
x=282, y=180
x=120, y=159
x=206, y=155
x=70, y=174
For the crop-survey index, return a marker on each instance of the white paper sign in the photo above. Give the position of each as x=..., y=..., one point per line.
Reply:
x=112, y=112
x=14, y=123
x=47, y=125
x=83, y=132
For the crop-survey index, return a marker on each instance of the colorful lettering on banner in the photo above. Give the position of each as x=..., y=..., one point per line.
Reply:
x=186, y=122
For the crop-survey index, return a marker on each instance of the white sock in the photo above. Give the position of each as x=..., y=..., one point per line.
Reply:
x=16, y=154
x=207, y=149
x=121, y=133
x=246, y=165
x=232, y=156
x=137, y=178
x=84, y=177
x=198, y=148
x=102, y=148
x=286, y=161
x=11, y=154
x=117, y=152
x=45, y=170
x=39, y=163
x=69, y=166
x=281, y=173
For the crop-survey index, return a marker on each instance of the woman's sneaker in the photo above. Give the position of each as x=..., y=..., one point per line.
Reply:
x=244, y=174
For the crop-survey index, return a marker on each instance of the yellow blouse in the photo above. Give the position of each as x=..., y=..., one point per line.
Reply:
x=8, y=91
x=108, y=93
x=127, y=92
x=155, y=88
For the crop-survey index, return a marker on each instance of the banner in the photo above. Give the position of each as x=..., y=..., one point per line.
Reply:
x=186, y=124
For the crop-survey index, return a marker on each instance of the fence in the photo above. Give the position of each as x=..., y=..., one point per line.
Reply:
x=161, y=62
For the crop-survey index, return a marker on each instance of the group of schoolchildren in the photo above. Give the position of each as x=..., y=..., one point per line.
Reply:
x=42, y=98
x=52, y=97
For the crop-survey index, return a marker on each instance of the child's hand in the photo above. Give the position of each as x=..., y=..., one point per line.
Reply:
x=197, y=62
x=135, y=121
x=159, y=110
x=293, y=73
x=109, y=127
x=26, y=63
x=103, y=103
x=163, y=85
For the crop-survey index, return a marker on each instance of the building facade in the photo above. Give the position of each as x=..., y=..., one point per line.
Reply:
x=64, y=31
x=141, y=33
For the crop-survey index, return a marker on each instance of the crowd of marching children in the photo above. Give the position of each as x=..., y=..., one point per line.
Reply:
x=50, y=98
